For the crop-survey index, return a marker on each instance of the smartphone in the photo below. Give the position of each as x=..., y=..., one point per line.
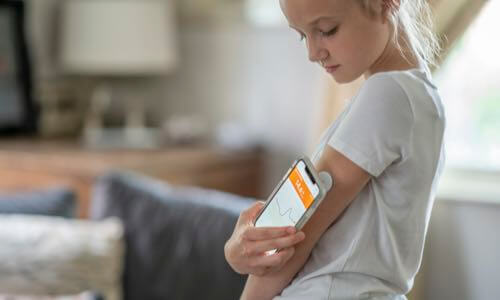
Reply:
x=295, y=198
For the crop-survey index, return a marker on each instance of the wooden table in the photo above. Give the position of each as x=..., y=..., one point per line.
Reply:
x=29, y=164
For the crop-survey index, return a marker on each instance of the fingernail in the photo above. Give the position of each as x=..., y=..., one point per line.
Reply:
x=290, y=230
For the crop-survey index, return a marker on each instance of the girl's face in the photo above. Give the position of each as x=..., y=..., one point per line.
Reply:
x=339, y=35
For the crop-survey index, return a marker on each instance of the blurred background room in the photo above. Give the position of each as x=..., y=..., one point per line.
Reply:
x=133, y=132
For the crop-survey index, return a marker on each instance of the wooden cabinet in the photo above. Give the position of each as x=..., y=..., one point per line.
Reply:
x=28, y=164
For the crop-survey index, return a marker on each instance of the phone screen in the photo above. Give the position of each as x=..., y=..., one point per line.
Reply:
x=292, y=199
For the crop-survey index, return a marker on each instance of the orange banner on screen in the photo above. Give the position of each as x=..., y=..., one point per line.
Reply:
x=301, y=188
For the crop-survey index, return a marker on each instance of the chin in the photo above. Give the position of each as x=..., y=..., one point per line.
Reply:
x=339, y=81
x=342, y=79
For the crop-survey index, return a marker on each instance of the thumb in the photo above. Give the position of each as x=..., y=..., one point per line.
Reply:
x=253, y=210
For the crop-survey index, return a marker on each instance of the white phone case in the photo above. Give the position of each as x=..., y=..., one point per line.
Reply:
x=317, y=200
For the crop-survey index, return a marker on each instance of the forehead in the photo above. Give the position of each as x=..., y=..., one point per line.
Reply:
x=304, y=12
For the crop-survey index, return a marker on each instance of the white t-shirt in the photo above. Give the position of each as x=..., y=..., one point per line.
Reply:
x=393, y=128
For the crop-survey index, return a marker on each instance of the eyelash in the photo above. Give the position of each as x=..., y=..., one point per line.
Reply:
x=330, y=33
x=325, y=34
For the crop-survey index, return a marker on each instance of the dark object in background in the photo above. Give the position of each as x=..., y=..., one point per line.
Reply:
x=55, y=201
x=174, y=237
x=18, y=113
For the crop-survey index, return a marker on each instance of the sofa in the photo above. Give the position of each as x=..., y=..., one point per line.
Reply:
x=174, y=237
x=145, y=240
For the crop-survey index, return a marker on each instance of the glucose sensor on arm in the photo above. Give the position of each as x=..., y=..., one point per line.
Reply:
x=326, y=179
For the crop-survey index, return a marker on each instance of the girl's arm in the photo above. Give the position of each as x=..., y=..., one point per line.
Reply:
x=349, y=180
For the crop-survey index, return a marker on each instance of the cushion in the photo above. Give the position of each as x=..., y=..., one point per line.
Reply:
x=81, y=296
x=54, y=201
x=42, y=255
x=175, y=237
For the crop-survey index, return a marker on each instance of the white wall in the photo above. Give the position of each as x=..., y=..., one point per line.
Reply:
x=259, y=77
x=462, y=254
x=42, y=28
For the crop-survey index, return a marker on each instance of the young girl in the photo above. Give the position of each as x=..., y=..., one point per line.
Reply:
x=385, y=152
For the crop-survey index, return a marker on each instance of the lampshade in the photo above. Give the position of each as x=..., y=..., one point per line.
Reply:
x=118, y=37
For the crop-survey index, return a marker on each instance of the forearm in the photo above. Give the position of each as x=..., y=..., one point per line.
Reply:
x=261, y=289
x=271, y=285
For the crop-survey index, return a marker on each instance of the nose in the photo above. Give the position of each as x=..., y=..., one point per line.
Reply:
x=316, y=52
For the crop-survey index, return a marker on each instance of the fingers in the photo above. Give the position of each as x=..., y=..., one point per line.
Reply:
x=278, y=243
x=264, y=233
x=285, y=255
x=275, y=261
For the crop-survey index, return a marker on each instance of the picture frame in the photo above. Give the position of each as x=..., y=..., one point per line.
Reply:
x=18, y=111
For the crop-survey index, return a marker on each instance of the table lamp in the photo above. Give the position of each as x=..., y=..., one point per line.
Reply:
x=117, y=39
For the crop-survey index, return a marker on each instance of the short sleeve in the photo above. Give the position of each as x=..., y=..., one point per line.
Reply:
x=377, y=127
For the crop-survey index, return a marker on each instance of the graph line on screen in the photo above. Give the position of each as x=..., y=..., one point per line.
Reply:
x=287, y=211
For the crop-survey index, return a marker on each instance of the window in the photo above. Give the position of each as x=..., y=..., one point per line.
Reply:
x=469, y=83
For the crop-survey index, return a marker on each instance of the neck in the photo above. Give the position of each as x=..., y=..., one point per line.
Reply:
x=392, y=59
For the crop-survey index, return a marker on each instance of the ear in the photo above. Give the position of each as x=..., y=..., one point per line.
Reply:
x=389, y=6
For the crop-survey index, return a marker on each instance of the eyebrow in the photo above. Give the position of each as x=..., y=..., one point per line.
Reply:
x=318, y=19
x=315, y=21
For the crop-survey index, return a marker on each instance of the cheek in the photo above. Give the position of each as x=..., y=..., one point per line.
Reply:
x=364, y=49
x=363, y=45
x=341, y=48
x=349, y=49
x=375, y=40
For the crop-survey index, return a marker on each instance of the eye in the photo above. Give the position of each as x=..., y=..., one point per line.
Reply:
x=330, y=32
x=301, y=36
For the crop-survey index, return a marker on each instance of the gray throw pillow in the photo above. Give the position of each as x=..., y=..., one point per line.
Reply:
x=175, y=237
x=54, y=201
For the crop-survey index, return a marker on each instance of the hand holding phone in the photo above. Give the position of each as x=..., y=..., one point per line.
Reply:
x=295, y=198
x=299, y=193
x=244, y=249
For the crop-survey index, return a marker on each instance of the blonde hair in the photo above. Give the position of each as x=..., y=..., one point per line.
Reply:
x=414, y=19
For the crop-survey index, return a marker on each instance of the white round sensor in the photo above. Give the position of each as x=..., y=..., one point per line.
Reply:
x=326, y=179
